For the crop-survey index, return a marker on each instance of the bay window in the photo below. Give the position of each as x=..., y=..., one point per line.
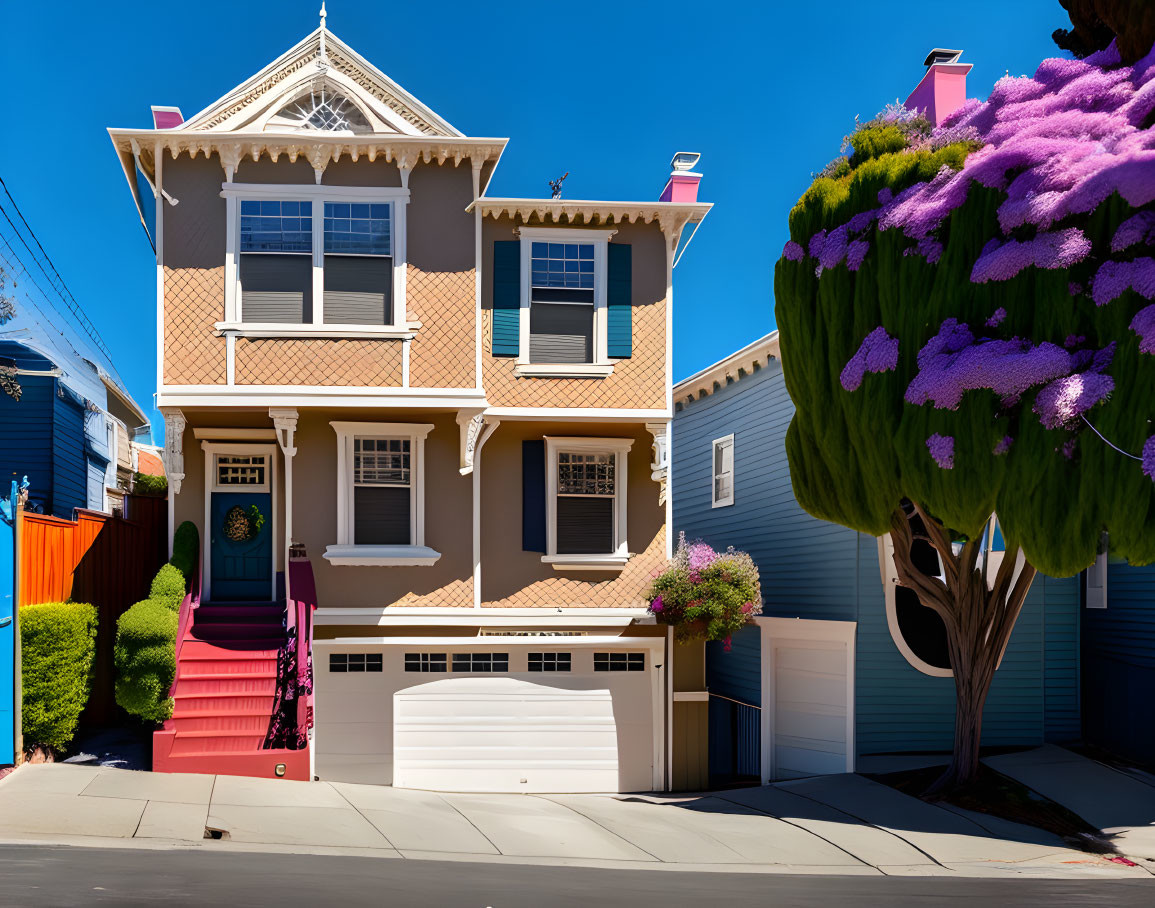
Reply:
x=315, y=261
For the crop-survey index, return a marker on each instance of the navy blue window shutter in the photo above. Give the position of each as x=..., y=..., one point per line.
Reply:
x=506, y=297
x=533, y=496
x=619, y=300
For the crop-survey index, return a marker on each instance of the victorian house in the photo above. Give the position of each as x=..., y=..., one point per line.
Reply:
x=435, y=420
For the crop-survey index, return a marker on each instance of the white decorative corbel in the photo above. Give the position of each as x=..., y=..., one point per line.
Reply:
x=174, y=426
x=472, y=422
x=230, y=155
x=319, y=156
x=659, y=469
x=285, y=425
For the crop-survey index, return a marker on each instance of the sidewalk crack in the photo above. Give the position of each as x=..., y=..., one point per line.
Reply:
x=610, y=831
x=458, y=811
x=357, y=809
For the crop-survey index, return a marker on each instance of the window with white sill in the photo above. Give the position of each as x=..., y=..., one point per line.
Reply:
x=586, y=501
x=722, y=493
x=561, y=302
x=380, y=494
x=315, y=259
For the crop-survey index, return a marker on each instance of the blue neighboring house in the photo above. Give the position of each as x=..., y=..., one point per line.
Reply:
x=70, y=428
x=842, y=664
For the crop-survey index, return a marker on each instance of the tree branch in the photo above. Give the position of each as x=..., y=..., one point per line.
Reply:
x=931, y=591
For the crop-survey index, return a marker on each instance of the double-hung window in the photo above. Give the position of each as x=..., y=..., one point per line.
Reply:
x=276, y=261
x=561, y=303
x=586, y=501
x=722, y=493
x=381, y=494
x=315, y=259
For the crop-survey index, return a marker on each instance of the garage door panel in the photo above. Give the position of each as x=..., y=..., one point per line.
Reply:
x=795, y=762
x=817, y=690
x=802, y=724
x=515, y=734
x=803, y=656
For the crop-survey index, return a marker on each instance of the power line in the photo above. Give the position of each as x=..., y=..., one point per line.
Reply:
x=58, y=285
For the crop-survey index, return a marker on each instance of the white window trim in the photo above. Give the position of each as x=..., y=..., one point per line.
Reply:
x=345, y=551
x=602, y=364
x=616, y=559
x=716, y=502
x=234, y=193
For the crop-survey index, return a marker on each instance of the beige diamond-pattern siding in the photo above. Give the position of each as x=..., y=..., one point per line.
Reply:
x=194, y=299
x=627, y=590
x=639, y=381
x=443, y=352
x=456, y=594
x=318, y=361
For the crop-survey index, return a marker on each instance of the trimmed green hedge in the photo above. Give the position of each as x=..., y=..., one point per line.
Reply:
x=145, y=657
x=58, y=647
x=149, y=485
x=185, y=548
x=168, y=586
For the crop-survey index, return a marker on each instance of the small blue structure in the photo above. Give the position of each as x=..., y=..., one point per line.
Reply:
x=8, y=687
x=841, y=665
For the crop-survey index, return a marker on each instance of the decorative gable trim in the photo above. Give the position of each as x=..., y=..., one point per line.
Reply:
x=750, y=359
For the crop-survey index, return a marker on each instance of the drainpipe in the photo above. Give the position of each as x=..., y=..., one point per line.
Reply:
x=490, y=424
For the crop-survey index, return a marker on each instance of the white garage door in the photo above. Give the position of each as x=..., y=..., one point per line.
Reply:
x=811, y=692
x=505, y=734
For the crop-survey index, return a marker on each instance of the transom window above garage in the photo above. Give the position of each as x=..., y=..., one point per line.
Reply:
x=619, y=662
x=549, y=662
x=425, y=662
x=481, y=662
x=355, y=662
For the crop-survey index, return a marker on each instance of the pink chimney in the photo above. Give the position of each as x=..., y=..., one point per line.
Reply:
x=682, y=186
x=943, y=89
x=166, y=117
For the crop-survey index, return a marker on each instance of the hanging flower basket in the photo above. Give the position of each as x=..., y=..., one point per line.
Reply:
x=704, y=594
x=243, y=524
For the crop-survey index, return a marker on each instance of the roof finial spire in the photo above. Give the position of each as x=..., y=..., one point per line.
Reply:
x=322, y=57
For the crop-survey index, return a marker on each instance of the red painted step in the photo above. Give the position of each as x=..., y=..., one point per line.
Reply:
x=225, y=693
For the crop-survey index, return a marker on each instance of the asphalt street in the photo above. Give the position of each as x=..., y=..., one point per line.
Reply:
x=68, y=876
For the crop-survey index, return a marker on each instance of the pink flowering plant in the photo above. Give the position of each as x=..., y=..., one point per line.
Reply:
x=967, y=323
x=705, y=594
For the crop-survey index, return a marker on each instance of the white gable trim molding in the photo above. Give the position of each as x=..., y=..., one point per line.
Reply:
x=735, y=367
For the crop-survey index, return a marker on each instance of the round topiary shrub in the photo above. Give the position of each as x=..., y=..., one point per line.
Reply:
x=168, y=586
x=185, y=549
x=704, y=594
x=57, y=649
x=145, y=657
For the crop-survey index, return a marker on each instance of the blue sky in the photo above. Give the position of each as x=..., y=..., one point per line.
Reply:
x=605, y=90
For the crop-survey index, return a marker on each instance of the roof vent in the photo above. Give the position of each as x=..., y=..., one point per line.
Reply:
x=941, y=55
x=682, y=185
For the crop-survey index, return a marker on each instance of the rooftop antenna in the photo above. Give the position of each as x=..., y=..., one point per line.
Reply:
x=555, y=185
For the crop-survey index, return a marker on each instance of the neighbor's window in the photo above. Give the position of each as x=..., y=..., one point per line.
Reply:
x=549, y=662
x=619, y=662
x=723, y=489
x=481, y=662
x=382, y=490
x=355, y=662
x=425, y=662
x=561, y=303
x=358, y=263
x=276, y=261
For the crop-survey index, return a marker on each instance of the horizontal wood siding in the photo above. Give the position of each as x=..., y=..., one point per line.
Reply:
x=818, y=570
x=1119, y=665
x=738, y=673
x=26, y=438
x=69, y=471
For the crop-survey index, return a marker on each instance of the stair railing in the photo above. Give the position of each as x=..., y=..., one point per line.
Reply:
x=293, y=709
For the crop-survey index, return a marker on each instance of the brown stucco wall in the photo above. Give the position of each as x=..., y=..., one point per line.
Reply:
x=319, y=361
x=440, y=282
x=512, y=577
x=194, y=271
x=639, y=381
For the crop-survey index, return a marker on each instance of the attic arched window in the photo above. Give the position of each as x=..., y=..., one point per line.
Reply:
x=321, y=109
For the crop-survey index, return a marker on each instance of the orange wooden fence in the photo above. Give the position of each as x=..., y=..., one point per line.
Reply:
x=107, y=561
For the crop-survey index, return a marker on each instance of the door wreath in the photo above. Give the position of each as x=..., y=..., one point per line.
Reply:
x=243, y=524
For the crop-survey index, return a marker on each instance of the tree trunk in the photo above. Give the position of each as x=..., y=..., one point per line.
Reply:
x=979, y=615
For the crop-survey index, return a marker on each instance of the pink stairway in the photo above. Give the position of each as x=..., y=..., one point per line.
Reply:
x=226, y=695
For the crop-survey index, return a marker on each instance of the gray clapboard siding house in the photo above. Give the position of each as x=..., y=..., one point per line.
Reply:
x=839, y=666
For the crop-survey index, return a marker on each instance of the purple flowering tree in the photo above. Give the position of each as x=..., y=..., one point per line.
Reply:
x=968, y=330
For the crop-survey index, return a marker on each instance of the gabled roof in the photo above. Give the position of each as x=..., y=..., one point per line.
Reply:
x=750, y=359
x=321, y=59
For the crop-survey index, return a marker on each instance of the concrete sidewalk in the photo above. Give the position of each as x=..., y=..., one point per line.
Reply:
x=831, y=825
x=1121, y=804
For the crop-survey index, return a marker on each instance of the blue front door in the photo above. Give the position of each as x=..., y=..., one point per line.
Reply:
x=242, y=562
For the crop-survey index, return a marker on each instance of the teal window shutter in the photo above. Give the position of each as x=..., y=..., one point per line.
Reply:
x=619, y=301
x=506, y=297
